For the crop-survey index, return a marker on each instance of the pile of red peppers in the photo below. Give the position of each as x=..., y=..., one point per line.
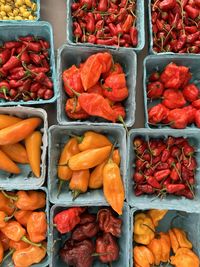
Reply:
x=179, y=99
x=96, y=88
x=92, y=236
x=164, y=167
x=25, y=70
x=105, y=22
x=176, y=26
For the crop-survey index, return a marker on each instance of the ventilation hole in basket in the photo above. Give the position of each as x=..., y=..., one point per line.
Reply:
x=11, y=175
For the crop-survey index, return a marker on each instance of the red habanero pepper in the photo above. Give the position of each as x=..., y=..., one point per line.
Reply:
x=66, y=220
x=96, y=105
x=171, y=76
x=97, y=89
x=127, y=23
x=77, y=31
x=166, y=5
x=115, y=69
x=155, y=90
x=190, y=111
x=157, y=113
x=191, y=92
x=174, y=188
x=173, y=99
x=12, y=44
x=134, y=35
x=155, y=76
x=192, y=12
x=106, y=61
x=196, y=104
x=178, y=118
x=4, y=56
x=103, y=5
x=119, y=110
x=151, y=180
x=33, y=46
x=160, y=175
x=197, y=118
x=74, y=110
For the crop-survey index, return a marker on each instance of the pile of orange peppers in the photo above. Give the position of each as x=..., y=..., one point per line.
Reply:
x=20, y=142
x=23, y=227
x=92, y=162
x=154, y=248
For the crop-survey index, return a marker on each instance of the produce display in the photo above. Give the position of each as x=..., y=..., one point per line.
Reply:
x=175, y=26
x=91, y=162
x=25, y=70
x=18, y=10
x=105, y=22
x=90, y=236
x=96, y=88
x=154, y=248
x=20, y=142
x=164, y=167
x=23, y=227
x=173, y=99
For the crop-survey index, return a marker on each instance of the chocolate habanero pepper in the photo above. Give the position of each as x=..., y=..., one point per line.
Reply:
x=107, y=244
x=113, y=187
x=74, y=110
x=66, y=220
x=64, y=172
x=37, y=226
x=30, y=200
x=84, y=231
x=142, y=256
x=28, y=256
x=79, y=182
x=78, y=254
x=108, y=223
x=89, y=158
x=91, y=139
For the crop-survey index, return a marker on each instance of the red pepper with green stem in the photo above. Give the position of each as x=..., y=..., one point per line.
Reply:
x=153, y=182
x=74, y=110
x=33, y=46
x=77, y=31
x=4, y=88
x=4, y=56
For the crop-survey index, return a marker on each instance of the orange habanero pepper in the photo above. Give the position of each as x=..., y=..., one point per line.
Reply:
x=17, y=245
x=16, y=152
x=79, y=182
x=14, y=231
x=7, y=120
x=6, y=204
x=89, y=158
x=106, y=61
x=1, y=252
x=37, y=226
x=30, y=200
x=113, y=187
x=28, y=256
x=19, y=131
x=22, y=216
x=4, y=219
x=92, y=139
x=64, y=172
x=5, y=241
x=33, y=147
x=6, y=164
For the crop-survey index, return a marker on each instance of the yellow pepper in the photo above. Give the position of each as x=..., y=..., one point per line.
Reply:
x=156, y=215
x=185, y=257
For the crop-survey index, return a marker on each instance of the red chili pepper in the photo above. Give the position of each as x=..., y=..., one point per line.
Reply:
x=103, y=5
x=191, y=92
x=173, y=99
x=99, y=25
x=35, y=58
x=48, y=83
x=92, y=39
x=4, y=87
x=174, y=188
x=145, y=188
x=155, y=76
x=160, y=175
x=127, y=23
x=153, y=182
x=38, y=69
x=48, y=94
x=13, y=62
x=134, y=36
x=166, y=5
x=97, y=89
x=19, y=75
x=165, y=155
x=74, y=110
x=77, y=31
x=66, y=220
x=138, y=178
x=86, y=3
x=28, y=38
x=113, y=29
x=35, y=87
x=4, y=56
x=178, y=118
x=33, y=46
x=192, y=12
x=181, y=42
x=25, y=57
x=157, y=113
x=90, y=26
x=110, y=41
x=191, y=29
x=3, y=73
x=15, y=84
x=12, y=44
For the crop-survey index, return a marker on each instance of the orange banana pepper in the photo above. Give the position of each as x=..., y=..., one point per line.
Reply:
x=64, y=172
x=174, y=241
x=5, y=241
x=28, y=256
x=37, y=226
x=89, y=158
x=96, y=177
x=6, y=164
x=116, y=156
x=7, y=120
x=19, y=131
x=79, y=182
x=22, y=216
x=113, y=187
x=30, y=200
x=93, y=140
x=16, y=152
x=91, y=72
x=33, y=147
x=17, y=245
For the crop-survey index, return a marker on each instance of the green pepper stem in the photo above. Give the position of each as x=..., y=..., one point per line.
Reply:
x=79, y=138
x=149, y=227
x=26, y=240
x=8, y=255
x=75, y=194
x=124, y=124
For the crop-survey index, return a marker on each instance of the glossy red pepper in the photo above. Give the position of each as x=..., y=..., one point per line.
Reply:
x=102, y=5
x=192, y=12
x=33, y=46
x=151, y=180
x=90, y=26
x=134, y=36
x=173, y=99
x=160, y=175
x=127, y=24
x=174, y=188
x=77, y=31
x=178, y=118
x=35, y=58
x=145, y=188
x=155, y=90
x=4, y=56
x=166, y=5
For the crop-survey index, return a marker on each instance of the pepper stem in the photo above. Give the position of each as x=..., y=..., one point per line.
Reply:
x=61, y=182
x=7, y=218
x=75, y=194
x=100, y=254
x=79, y=138
x=8, y=255
x=76, y=93
x=8, y=196
x=124, y=124
x=26, y=240
x=149, y=227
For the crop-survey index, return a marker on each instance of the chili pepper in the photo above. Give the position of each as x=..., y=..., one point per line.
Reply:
x=85, y=231
x=155, y=90
x=92, y=39
x=107, y=244
x=4, y=56
x=191, y=29
x=66, y=220
x=35, y=58
x=25, y=57
x=35, y=87
x=15, y=84
x=22, y=216
x=142, y=255
x=13, y=230
x=97, y=89
x=197, y=118
x=33, y=46
x=196, y=104
x=148, y=189
x=134, y=35
x=86, y=3
x=12, y=44
x=113, y=29
x=33, y=147
x=96, y=176
x=190, y=111
x=153, y=182
x=110, y=41
x=37, y=226
x=90, y=26
x=74, y=110
x=165, y=5
x=79, y=182
x=157, y=113
x=106, y=61
x=103, y=5
x=30, y=200
x=192, y=12
x=13, y=62
x=138, y=178
x=108, y=223
x=77, y=31
x=181, y=42
x=178, y=118
x=173, y=188
x=191, y=38
x=155, y=76
x=28, y=256
x=38, y=69
x=6, y=164
x=127, y=24
x=78, y=253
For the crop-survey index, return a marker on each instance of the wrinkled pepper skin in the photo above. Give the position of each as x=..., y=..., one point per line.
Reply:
x=143, y=256
x=30, y=200
x=107, y=244
x=22, y=216
x=185, y=257
x=78, y=254
x=13, y=230
x=181, y=237
x=37, y=226
x=85, y=231
x=156, y=215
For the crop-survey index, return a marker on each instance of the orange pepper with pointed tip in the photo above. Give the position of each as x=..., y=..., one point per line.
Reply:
x=156, y=215
x=5, y=241
x=92, y=139
x=79, y=182
x=22, y=216
x=143, y=257
x=174, y=241
x=89, y=158
x=30, y=200
x=116, y=156
x=7, y=165
x=96, y=177
x=113, y=187
x=16, y=152
x=17, y=245
x=37, y=226
x=33, y=147
x=28, y=256
x=19, y=131
x=7, y=120
x=185, y=257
